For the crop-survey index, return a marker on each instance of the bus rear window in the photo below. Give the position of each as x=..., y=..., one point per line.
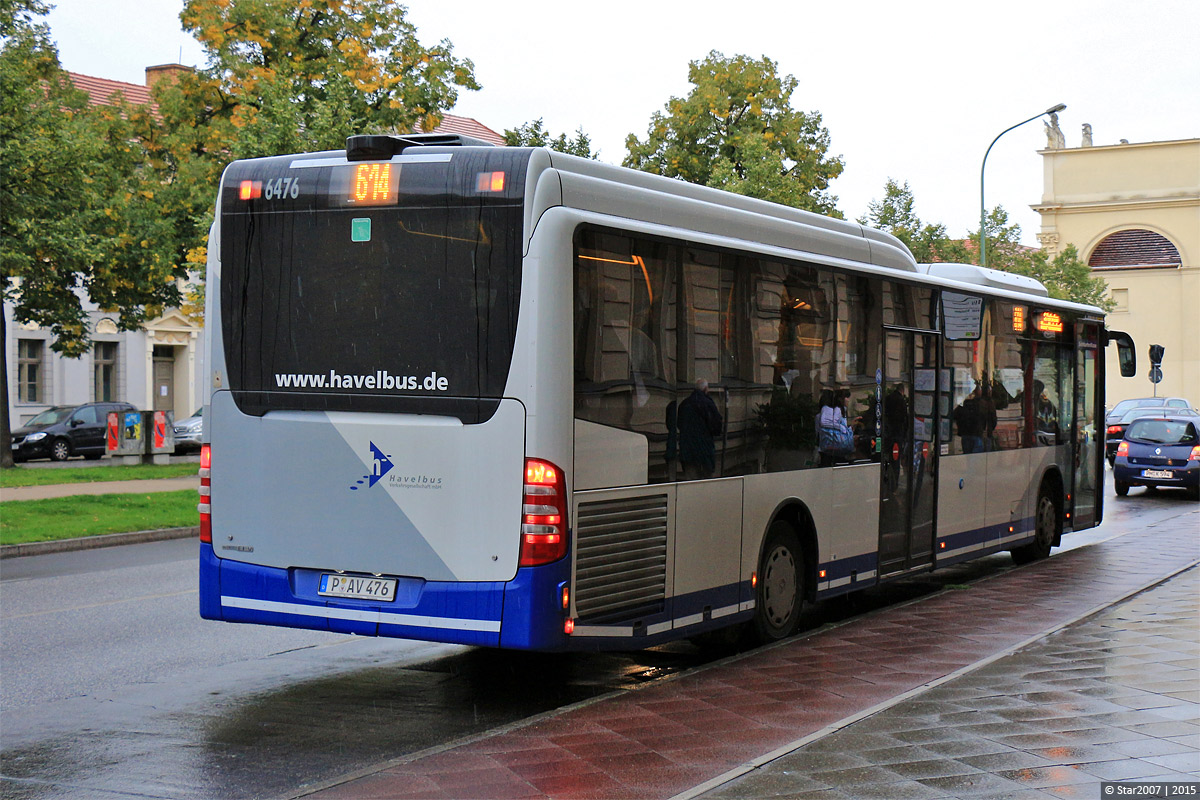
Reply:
x=370, y=309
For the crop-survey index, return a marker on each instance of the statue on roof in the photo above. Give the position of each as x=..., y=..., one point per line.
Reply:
x=1087, y=135
x=1054, y=135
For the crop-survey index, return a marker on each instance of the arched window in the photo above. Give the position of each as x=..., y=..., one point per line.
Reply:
x=1134, y=249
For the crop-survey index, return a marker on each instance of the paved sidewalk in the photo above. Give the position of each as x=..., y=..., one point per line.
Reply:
x=100, y=487
x=1115, y=697
x=1028, y=687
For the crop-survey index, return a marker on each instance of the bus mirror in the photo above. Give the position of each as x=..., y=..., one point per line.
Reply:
x=1125, y=355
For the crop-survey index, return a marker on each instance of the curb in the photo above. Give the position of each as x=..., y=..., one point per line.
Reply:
x=93, y=542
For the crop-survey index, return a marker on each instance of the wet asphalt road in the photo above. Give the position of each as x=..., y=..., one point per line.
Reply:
x=112, y=687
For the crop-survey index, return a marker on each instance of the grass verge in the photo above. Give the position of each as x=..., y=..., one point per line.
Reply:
x=35, y=476
x=24, y=521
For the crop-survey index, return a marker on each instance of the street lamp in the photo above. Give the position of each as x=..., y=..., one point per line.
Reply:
x=982, y=208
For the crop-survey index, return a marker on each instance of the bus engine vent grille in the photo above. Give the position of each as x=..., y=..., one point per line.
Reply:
x=621, y=558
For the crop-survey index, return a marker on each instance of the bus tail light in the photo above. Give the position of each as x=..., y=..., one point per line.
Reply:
x=543, y=514
x=205, y=507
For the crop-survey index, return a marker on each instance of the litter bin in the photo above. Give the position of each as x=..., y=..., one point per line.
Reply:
x=140, y=437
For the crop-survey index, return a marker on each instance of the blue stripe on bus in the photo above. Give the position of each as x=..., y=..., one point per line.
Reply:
x=460, y=613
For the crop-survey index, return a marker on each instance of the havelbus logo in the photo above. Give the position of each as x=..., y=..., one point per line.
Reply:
x=380, y=465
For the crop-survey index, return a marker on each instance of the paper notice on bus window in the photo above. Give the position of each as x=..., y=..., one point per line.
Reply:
x=962, y=315
x=923, y=404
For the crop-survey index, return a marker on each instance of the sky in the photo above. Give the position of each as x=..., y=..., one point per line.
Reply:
x=914, y=91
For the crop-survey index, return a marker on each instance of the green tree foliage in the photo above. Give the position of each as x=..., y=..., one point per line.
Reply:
x=1066, y=277
x=534, y=134
x=895, y=214
x=287, y=76
x=1004, y=248
x=72, y=215
x=737, y=130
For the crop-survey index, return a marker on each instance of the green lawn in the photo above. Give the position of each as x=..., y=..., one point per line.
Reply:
x=23, y=521
x=42, y=476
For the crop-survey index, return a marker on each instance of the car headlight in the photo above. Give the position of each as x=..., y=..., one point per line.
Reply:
x=36, y=437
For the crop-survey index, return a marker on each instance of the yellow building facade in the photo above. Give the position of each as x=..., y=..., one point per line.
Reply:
x=1133, y=213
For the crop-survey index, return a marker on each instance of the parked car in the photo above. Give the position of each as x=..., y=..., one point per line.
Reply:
x=1115, y=431
x=1159, y=451
x=64, y=431
x=1123, y=407
x=187, y=432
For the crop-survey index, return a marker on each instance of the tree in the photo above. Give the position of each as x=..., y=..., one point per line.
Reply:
x=895, y=214
x=72, y=220
x=1004, y=248
x=1066, y=277
x=286, y=76
x=737, y=130
x=534, y=134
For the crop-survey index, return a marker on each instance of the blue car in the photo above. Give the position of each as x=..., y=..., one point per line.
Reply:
x=1159, y=452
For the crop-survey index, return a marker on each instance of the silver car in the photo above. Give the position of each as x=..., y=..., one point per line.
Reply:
x=187, y=432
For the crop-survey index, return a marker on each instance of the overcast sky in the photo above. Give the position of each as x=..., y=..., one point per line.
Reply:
x=909, y=90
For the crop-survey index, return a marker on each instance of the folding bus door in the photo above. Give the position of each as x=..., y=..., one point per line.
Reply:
x=909, y=452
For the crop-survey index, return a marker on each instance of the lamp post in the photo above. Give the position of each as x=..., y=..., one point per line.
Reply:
x=982, y=208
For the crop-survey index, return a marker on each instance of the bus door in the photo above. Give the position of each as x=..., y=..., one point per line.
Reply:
x=1087, y=442
x=909, y=453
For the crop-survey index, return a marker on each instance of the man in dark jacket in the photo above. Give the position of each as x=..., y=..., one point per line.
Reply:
x=699, y=423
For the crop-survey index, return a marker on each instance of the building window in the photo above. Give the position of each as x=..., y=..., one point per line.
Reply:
x=104, y=357
x=1135, y=249
x=30, y=355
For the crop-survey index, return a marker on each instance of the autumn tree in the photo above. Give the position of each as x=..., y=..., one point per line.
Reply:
x=534, y=134
x=74, y=221
x=737, y=130
x=287, y=76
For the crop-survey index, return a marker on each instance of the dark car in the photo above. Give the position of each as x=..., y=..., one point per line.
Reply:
x=187, y=432
x=1164, y=405
x=1157, y=452
x=1115, y=431
x=64, y=431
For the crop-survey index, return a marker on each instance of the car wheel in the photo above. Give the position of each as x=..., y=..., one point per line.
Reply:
x=1112, y=461
x=780, y=593
x=1122, y=488
x=60, y=450
x=1046, y=528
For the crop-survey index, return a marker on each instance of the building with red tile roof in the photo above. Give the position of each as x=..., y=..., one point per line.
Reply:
x=468, y=127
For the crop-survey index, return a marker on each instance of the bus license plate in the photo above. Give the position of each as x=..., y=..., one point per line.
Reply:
x=1157, y=473
x=358, y=587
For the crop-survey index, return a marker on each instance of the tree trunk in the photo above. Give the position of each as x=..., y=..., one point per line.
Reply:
x=6, y=458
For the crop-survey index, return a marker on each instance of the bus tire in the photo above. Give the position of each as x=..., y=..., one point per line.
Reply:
x=779, y=596
x=1046, y=528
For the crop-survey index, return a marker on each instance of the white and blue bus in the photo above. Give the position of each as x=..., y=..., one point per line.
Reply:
x=513, y=398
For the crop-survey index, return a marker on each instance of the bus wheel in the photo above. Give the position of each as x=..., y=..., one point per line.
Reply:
x=1045, y=530
x=780, y=593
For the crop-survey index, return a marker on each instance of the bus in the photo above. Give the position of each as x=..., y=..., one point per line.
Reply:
x=512, y=398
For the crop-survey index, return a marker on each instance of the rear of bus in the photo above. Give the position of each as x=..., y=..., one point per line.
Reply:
x=365, y=460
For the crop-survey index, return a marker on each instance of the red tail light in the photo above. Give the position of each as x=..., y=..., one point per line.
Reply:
x=205, y=507
x=1123, y=449
x=1195, y=456
x=1114, y=428
x=544, y=514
